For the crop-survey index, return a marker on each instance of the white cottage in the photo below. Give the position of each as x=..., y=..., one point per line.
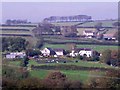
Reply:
x=86, y=51
x=47, y=52
x=82, y=51
x=15, y=55
x=59, y=52
x=88, y=33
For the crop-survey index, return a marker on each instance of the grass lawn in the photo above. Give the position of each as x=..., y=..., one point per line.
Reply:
x=71, y=74
x=90, y=64
x=98, y=47
x=55, y=46
x=82, y=76
x=94, y=47
x=16, y=63
x=39, y=73
x=79, y=63
x=76, y=74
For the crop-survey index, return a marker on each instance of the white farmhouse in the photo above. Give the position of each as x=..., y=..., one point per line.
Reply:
x=75, y=52
x=82, y=51
x=86, y=51
x=15, y=55
x=59, y=52
x=10, y=56
x=47, y=52
x=88, y=33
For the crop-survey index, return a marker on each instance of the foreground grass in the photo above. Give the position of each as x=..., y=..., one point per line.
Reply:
x=39, y=73
x=76, y=75
x=79, y=75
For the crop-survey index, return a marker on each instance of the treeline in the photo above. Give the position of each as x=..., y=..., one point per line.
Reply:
x=111, y=57
x=14, y=21
x=13, y=44
x=22, y=25
x=15, y=29
x=74, y=18
x=20, y=35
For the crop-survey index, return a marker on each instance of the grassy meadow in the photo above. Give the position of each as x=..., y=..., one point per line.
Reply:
x=80, y=63
x=81, y=75
x=71, y=74
x=99, y=48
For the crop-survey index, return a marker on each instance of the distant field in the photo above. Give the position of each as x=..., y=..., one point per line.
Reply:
x=13, y=27
x=16, y=30
x=94, y=47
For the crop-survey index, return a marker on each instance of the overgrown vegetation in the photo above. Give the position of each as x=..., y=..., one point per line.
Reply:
x=20, y=78
x=111, y=57
x=13, y=44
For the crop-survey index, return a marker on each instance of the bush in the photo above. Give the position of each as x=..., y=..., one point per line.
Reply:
x=8, y=83
x=76, y=61
x=55, y=80
x=110, y=80
x=30, y=83
x=14, y=73
x=31, y=52
x=59, y=80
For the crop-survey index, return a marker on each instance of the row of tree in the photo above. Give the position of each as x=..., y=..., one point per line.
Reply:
x=68, y=18
x=14, y=21
x=13, y=44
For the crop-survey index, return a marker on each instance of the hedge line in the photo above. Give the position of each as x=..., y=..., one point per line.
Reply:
x=68, y=67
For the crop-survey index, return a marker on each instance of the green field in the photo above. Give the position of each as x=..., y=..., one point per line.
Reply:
x=72, y=75
x=56, y=39
x=17, y=30
x=39, y=73
x=80, y=63
x=17, y=27
x=81, y=75
x=94, y=47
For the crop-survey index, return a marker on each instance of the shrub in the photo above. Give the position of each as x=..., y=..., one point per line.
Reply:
x=110, y=80
x=55, y=80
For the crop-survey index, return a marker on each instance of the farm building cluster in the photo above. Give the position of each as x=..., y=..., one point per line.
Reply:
x=15, y=55
x=48, y=52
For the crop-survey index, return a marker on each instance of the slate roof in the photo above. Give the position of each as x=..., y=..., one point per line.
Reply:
x=88, y=31
x=58, y=49
x=80, y=49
